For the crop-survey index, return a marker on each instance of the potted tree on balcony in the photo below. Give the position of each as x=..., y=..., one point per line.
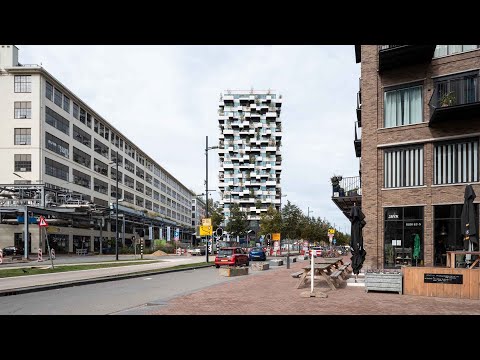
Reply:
x=335, y=180
x=448, y=99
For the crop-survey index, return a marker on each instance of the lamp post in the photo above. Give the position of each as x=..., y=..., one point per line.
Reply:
x=116, y=206
x=206, y=185
x=288, y=242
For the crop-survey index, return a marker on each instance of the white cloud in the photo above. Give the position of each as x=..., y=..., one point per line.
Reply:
x=165, y=99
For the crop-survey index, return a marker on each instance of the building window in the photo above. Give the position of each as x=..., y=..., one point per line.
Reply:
x=129, y=166
x=66, y=104
x=23, y=162
x=56, y=145
x=148, y=178
x=138, y=201
x=100, y=148
x=447, y=230
x=82, y=136
x=128, y=197
x=23, y=109
x=57, y=97
x=113, y=175
x=140, y=173
x=100, y=186
x=23, y=83
x=148, y=191
x=81, y=157
x=139, y=187
x=403, y=167
x=89, y=120
x=113, y=157
x=76, y=111
x=113, y=192
x=129, y=181
x=56, y=169
x=455, y=162
x=83, y=116
x=148, y=204
x=100, y=167
x=81, y=179
x=403, y=106
x=57, y=121
x=444, y=50
x=23, y=136
x=49, y=91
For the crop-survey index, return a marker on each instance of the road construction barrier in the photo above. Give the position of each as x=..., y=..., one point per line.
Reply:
x=52, y=254
x=1, y=256
x=40, y=256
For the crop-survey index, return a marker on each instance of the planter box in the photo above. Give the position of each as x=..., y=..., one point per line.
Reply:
x=383, y=281
x=260, y=266
x=227, y=271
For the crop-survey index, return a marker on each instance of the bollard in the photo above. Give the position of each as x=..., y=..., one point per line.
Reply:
x=40, y=256
x=1, y=256
x=52, y=254
x=141, y=250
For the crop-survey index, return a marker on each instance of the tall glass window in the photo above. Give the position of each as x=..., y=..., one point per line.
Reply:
x=455, y=162
x=403, y=106
x=444, y=50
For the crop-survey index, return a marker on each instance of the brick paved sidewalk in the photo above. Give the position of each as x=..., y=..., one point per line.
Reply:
x=273, y=293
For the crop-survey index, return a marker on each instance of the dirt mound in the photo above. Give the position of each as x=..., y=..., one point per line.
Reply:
x=159, y=253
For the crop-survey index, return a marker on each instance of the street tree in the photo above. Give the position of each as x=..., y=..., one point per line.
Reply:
x=215, y=212
x=271, y=221
x=237, y=222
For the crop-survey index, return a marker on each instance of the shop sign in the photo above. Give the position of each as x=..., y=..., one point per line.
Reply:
x=443, y=278
x=413, y=224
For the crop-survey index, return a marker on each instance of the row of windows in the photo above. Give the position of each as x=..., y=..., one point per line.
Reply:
x=404, y=106
x=453, y=162
x=443, y=50
x=59, y=122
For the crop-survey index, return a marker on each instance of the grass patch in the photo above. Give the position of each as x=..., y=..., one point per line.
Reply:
x=61, y=268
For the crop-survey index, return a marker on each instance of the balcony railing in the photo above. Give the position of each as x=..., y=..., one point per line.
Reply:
x=348, y=186
x=357, y=143
x=359, y=103
x=394, y=56
x=455, y=98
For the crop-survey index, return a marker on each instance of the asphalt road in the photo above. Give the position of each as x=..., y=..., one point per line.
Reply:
x=131, y=296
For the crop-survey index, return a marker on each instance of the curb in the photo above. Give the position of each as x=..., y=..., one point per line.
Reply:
x=30, y=289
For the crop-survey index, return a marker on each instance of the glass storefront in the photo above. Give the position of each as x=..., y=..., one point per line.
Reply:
x=81, y=242
x=447, y=231
x=59, y=243
x=402, y=225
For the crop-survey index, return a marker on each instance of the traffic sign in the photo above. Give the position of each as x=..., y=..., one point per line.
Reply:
x=334, y=241
x=331, y=231
x=276, y=236
x=42, y=222
x=207, y=222
x=205, y=230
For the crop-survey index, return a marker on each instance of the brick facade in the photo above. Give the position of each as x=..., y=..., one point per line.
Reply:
x=375, y=138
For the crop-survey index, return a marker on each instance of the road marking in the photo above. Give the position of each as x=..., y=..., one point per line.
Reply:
x=147, y=279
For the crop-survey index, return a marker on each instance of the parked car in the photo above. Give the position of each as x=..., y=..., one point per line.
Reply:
x=197, y=251
x=319, y=251
x=12, y=250
x=231, y=256
x=257, y=253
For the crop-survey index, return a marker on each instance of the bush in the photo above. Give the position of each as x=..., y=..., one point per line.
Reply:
x=168, y=248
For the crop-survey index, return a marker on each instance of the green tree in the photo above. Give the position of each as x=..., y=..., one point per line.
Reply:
x=291, y=216
x=237, y=223
x=270, y=222
x=215, y=212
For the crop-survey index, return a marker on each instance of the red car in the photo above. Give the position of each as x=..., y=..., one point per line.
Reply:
x=231, y=256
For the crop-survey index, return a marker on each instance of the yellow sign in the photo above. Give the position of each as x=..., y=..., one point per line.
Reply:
x=207, y=222
x=276, y=236
x=331, y=231
x=205, y=230
x=53, y=229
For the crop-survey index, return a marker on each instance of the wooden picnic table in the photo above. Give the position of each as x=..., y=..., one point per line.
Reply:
x=336, y=262
x=321, y=271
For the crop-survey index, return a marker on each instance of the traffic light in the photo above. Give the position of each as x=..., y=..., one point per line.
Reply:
x=219, y=231
x=269, y=237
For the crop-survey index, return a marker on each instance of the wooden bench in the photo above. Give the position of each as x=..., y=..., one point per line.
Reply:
x=345, y=271
x=297, y=274
x=81, y=251
x=339, y=274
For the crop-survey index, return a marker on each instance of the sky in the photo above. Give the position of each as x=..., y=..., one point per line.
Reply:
x=165, y=100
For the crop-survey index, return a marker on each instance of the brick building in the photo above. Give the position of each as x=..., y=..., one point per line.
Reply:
x=418, y=107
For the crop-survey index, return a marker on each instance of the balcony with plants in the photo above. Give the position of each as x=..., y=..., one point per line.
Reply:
x=346, y=191
x=396, y=56
x=454, y=99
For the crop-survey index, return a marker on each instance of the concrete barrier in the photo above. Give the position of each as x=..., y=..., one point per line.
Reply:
x=276, y=262
x=260, y=266
x=233, y=271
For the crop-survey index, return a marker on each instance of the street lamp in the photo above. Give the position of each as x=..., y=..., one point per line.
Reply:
x=206, y=184
x=288, y=242
x=116, y=206
x=309, y=211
